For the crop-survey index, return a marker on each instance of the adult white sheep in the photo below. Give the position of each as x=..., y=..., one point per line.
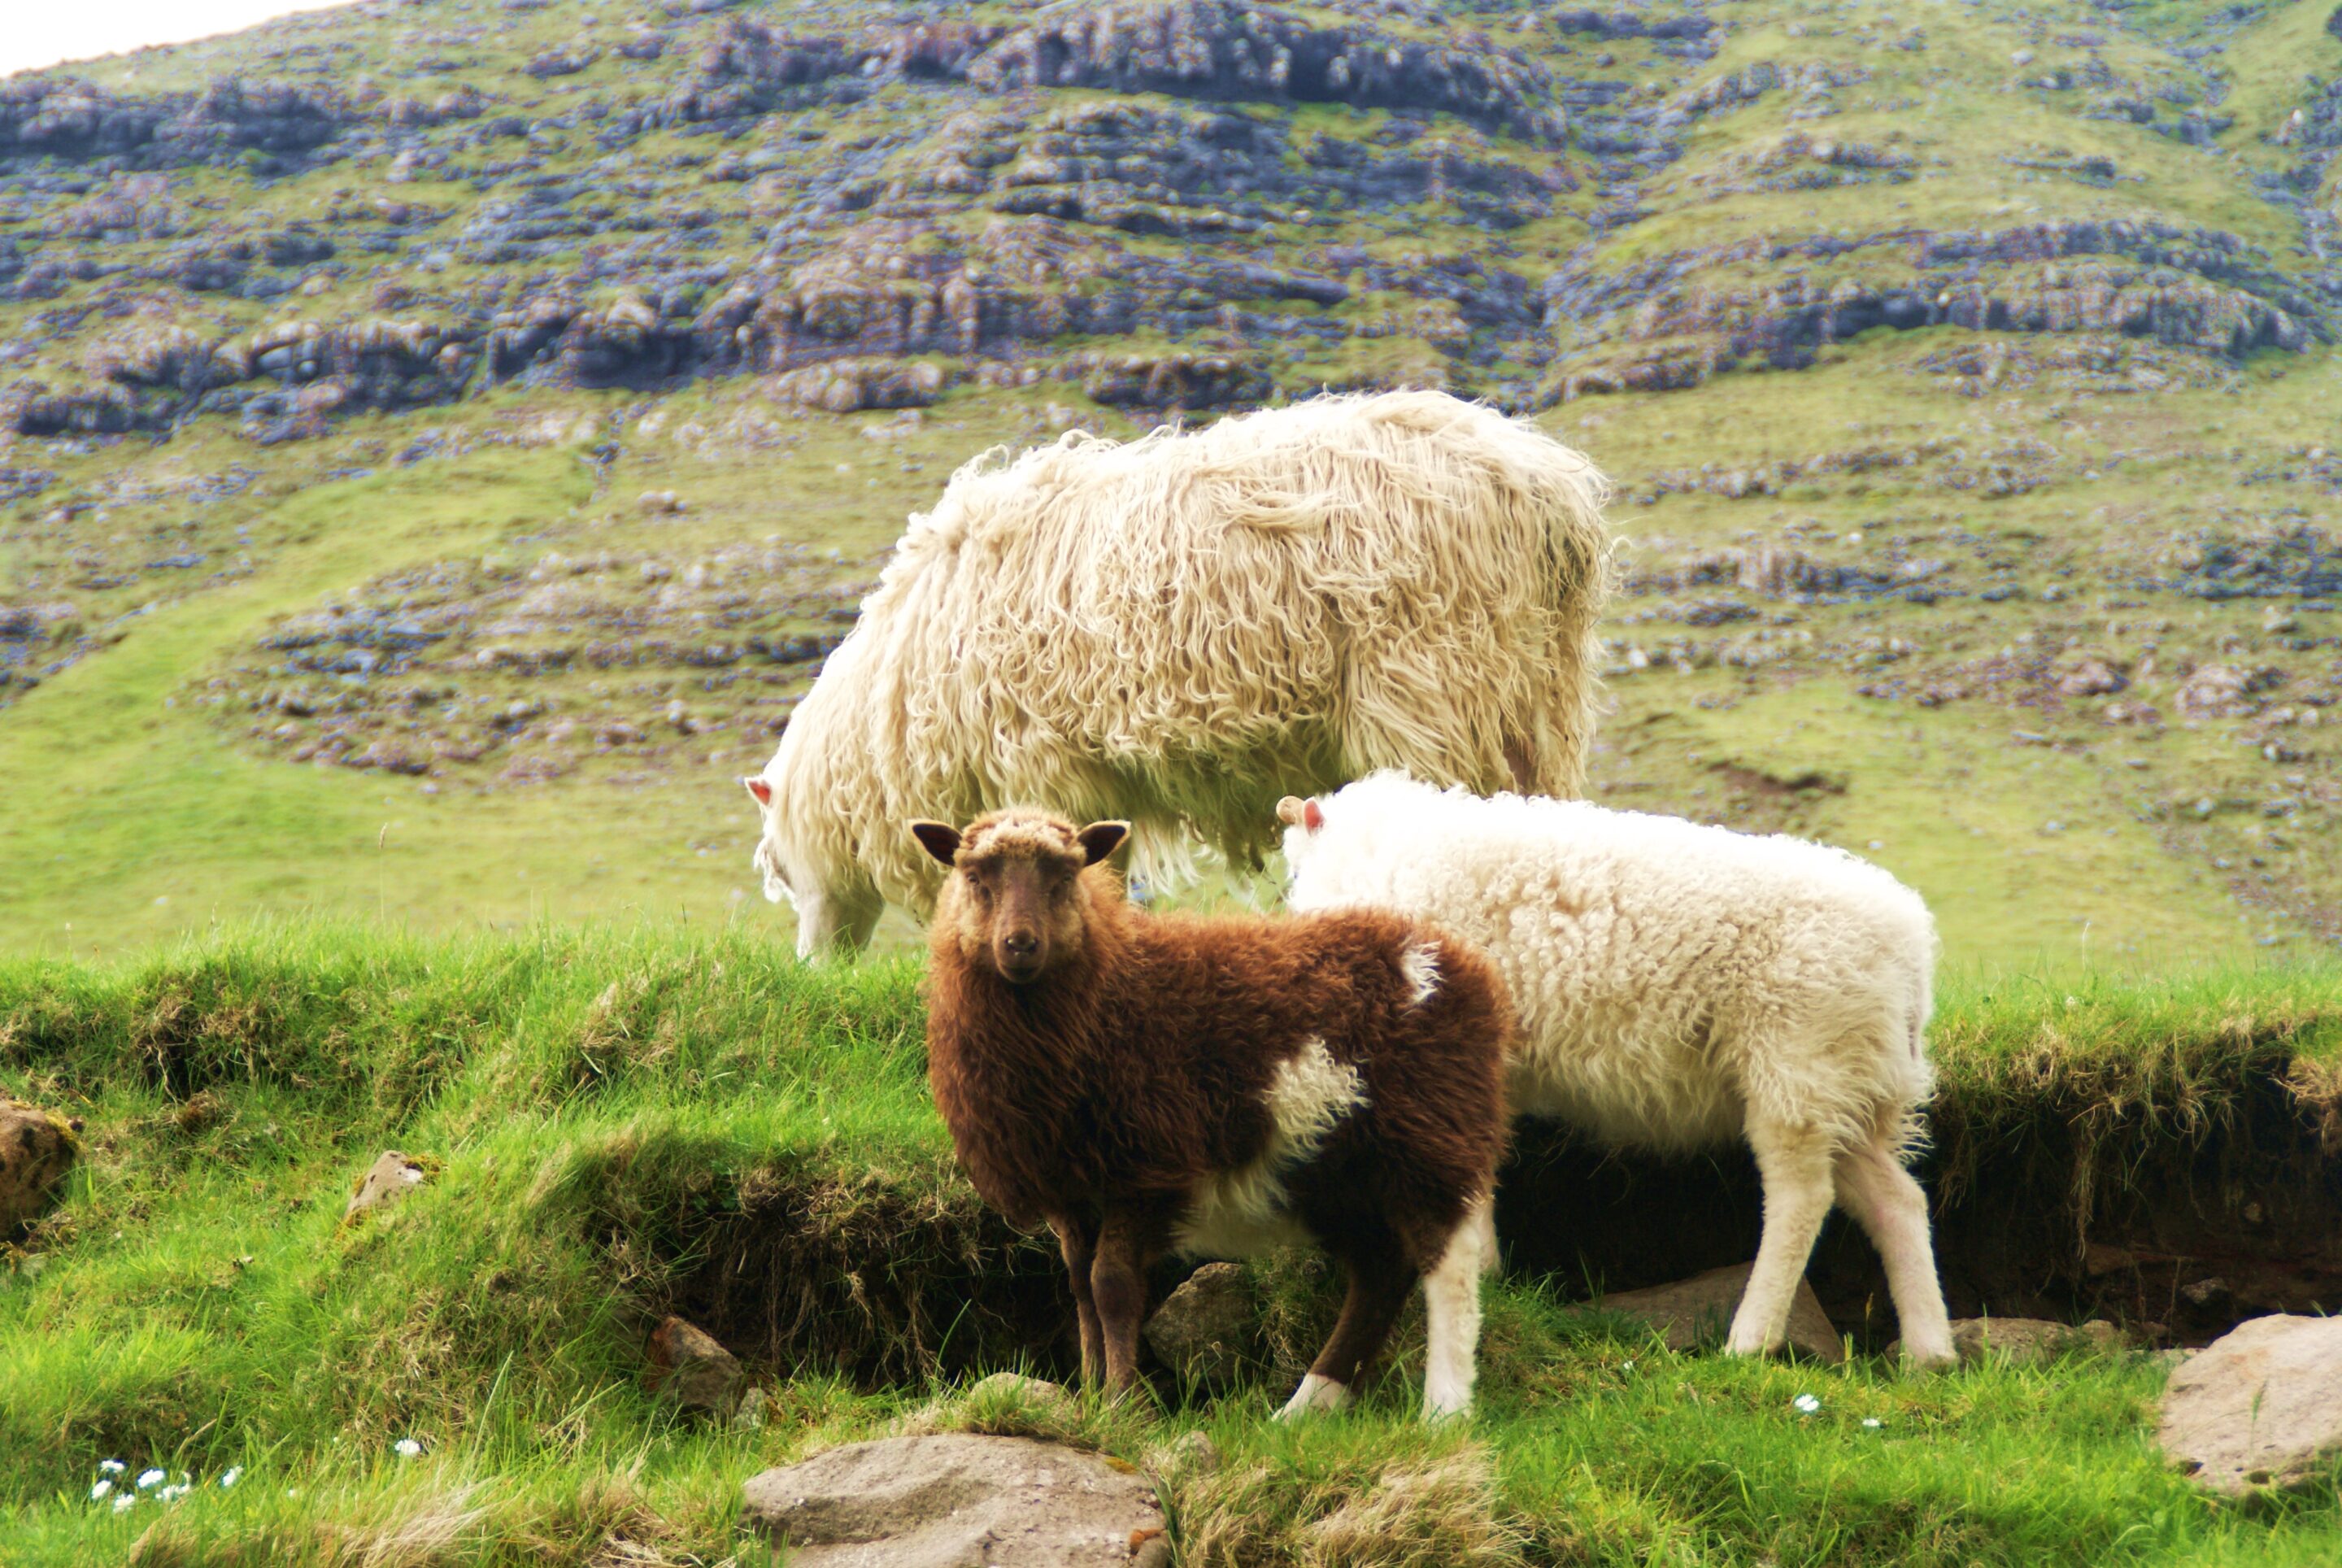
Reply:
x=1679, y=985
x=1179, y=629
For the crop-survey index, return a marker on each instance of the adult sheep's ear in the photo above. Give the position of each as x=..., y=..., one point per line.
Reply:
x=755, y=785
x=1100, y=839
x=940, y=839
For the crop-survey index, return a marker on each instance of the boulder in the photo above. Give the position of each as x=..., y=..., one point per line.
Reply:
x=2031, y=1342
x=689, y=1366
x=385, y=1181
x=2090, y=678
x=1205, y=1331
x=1693, y=1312
x=37, y=1152
x=2260, y=1406
x=958, y=1499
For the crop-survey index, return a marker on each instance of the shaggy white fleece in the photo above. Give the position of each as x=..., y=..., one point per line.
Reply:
x=1679, y=986
x=1179, y=629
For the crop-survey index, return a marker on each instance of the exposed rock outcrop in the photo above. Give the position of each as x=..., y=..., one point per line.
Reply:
x=1224, y=50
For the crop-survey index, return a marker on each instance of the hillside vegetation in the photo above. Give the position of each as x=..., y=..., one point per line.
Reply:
x=618, y=1127
x=1966, y=368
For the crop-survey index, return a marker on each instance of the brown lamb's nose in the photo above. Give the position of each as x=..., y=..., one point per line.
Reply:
x=1020, y=944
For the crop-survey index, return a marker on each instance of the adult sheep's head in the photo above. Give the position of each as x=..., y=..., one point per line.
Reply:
x=1016, y=898
x=836, y=912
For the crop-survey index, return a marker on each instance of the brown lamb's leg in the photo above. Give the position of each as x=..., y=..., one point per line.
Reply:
x=1380, y=1279
x=1078, y=1240
x=1118, y=1291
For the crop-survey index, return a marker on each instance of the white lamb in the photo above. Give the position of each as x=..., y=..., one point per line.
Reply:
x=1680, y=985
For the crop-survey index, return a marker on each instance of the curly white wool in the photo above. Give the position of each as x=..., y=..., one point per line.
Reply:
x=1680, y=986
x=1176, y=630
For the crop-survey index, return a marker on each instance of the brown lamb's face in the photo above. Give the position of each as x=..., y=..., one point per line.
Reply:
x=1017, y=903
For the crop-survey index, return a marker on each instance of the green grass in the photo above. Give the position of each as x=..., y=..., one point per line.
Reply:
x=623, y=1123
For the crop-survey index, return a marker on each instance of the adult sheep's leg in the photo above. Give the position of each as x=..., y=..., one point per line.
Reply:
x=1079, y=1242
x=1888, y=1204
x=1118, y=1295
x=1380, y=1280
x=1794, y=1163
x=1451, y=1300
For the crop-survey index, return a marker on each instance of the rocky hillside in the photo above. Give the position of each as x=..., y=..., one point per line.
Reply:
x=497, y=406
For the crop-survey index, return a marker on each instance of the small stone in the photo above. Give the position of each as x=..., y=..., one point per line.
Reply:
x=385, y=1181
x=750, y=1415
x=2260, y=1406
x=1190, y=1454
x=2204, y=1292
x=1692, y=1311
x=36, y=1154
x=689, y=1366
x=1006, y=1387
x=659, y=502
x=945, y=1501
x=1205, y=1331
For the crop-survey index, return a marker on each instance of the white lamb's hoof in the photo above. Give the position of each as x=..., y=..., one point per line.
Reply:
x=1439, y=1412
x=1315, y=1395
x=1930, y=1358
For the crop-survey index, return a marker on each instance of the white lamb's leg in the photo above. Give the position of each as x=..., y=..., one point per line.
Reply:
x=1451, y=1300
x=1314, y=1394
x=1794, y=1163
x=1888, y=1204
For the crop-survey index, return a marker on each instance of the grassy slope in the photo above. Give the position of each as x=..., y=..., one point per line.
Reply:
x=149, y=795
x=600, y=1109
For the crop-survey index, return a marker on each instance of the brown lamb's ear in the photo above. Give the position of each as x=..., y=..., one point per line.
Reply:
x=940, y=839
x=1100, y=839
x=755, y=785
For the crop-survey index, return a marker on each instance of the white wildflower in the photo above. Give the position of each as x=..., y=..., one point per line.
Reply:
x=407, y=1448
x=100, y=1490
x=148, y=1479
x=127, y=1500
x=111, y=1467
x=172, y=1493
x=234, y=1473
x=1807, y=1404
x=1873, y=1423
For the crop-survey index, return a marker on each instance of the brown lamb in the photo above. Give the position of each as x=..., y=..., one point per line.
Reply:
x=1149, y=1082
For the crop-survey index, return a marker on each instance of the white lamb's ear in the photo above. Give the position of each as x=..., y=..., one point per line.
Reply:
x=1312, y=817
x=1296, y=812
x=1100, y=839
x=756, y=784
